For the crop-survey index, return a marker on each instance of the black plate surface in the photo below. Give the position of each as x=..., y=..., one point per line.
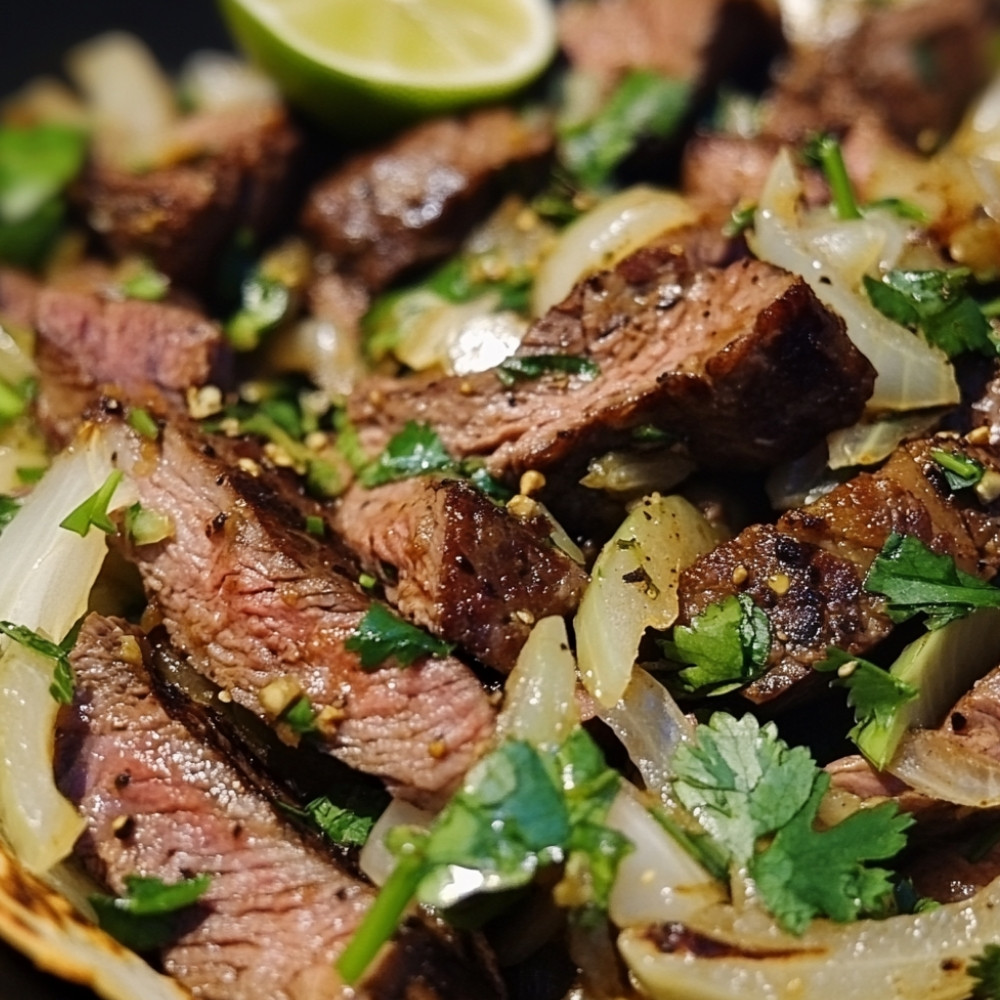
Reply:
x=33, y=41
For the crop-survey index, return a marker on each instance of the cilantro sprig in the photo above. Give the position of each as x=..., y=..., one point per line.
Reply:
x=985, y=970
x=145, y=918
x=381, y=636
x=517, y=369
x=914, y=580
x=959, y=470
x=758, y=800
x=521, y=809
x=63, y=684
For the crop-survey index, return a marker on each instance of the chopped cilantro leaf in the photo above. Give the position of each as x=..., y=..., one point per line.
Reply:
x=63, y=685
x=15, y=398
x=805, y=872
x=534, y=366
x=959, y=470
x=415, y=450
x=381, y=635
x=339, y=824
x=266, y=302
x=644, y=105
x=300, y=717
x=315, y=525
x=145, y=917
x=9, y=506
x=873, y=693
x=93, y=512
x=727, y=646
x=146, y=283
x=740, y=220
x=937, y=304
x=915, y=579
x=985, y=970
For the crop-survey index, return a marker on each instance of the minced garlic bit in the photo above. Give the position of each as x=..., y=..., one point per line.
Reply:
x=531, y=482
x=328, y=718
x=779, y=583
x=978, y=435
x=276, y=696
x=130, y=650
x=740, y=574
x=522, y=507
x=248, y=465
x=988, y=488
x=224, y=696
x=524, y=616
x=279, y=457
x=204, y=402
x=438, y=749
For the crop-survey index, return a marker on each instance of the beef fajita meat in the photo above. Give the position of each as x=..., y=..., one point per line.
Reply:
x=138, y=350
x=233, y=172
x=413, y=201
x=699, y=41
x=277, y=911
x=742, y=363
x=264, y=609
x=807, y=571
x=913, y=66
x=456, y=563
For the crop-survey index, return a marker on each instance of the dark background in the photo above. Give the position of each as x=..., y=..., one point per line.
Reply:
x=33, y=41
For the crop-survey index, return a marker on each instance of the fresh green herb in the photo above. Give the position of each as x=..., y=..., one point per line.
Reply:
x=758, y=800
x=937, y=304
x=15, y=399
x=143, y=421
x=36, y=165
x=482, y=480
x=145, y=918
x=644, y=105
x=93, y=512
x=985, y=970
x=266, y=302
x=916, y=580
x=147, y=284
x=315, y=525
x=824, y=151
x=900, y=207
x=366, y=581
x=906, y=899
x=740, y=220
x=960, y=471
x=415, y=450
x=873, y=693
x=339, y=824
x=9, y=506
x=519, y=810
x=29, y=474
x=516, y=369
x=727, y=646
x=300, y=717
x=381, y=636
x=146, y=527
x=63, y=685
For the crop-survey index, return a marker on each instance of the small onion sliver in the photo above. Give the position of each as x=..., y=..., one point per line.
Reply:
x=939, y=765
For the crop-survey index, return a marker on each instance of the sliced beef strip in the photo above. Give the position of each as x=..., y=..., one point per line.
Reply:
x=459, y=565
x=160, y=803
x=699, y=41
x=252, y=599
x=414, y=200
x=807, y=571
x=234, y=172
x=135, y=349
x=914, y=66
x=742, y=363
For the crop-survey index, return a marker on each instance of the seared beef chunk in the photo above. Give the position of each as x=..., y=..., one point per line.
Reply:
x=913, y=66
x=807, y=572
x=232, y=174
x=456, y=563
x=700, y=41
x=742, y=363
x=135, y=349
x=414, y=200
x=263, y=609
x=162, y=804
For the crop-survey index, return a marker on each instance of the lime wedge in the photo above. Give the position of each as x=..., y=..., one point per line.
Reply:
x=367, y=66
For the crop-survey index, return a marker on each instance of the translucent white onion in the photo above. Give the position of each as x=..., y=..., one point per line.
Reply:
x=603, y=236
x=913, y=957
x=650, y=726
x=634, y=587
x=540, y=693
x=375, y=859
x=215, y=81
x=47, y=578
x=943, y=767
x=911, y=373
x=329, y=354
x=658, y=881
x=634, y=473
x=869, y=442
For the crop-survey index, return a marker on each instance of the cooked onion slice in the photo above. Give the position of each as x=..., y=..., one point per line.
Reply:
x=634, y=587
x=942, y=766
x=913, y=957
x=911, y=373
x=47, y=578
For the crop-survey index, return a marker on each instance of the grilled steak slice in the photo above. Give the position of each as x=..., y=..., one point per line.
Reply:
x=742, y=363
x=701, y=41
x=914, y=67
x=807, y=571
x=160, y=803
x=235, y=174
x=459, y=565
x=414, y=200
x=137, y=350
x=264, y=609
